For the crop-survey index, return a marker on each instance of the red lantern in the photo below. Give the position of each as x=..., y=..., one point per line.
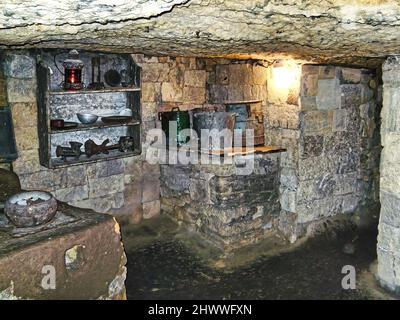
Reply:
x=73, y=71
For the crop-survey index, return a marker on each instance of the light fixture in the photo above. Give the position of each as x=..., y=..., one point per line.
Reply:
x=283, y=74
x=73, y=71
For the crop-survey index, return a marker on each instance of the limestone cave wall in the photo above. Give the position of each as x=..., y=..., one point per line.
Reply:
x=389, y=225
x=332, y=164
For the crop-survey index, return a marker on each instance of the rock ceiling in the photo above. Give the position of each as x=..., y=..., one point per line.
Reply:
x=356, y=32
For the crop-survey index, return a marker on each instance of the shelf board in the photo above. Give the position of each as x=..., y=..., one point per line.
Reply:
x=242, y=102
x=97, y=125
x=113, y=154
x=88, y=91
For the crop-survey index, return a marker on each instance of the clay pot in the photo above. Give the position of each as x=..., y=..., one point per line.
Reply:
x=29, y=209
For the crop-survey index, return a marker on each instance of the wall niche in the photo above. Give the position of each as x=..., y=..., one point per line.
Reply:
x=118, y=95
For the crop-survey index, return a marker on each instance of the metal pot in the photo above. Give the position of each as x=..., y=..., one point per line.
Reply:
x=214, y=121
x=182, y=120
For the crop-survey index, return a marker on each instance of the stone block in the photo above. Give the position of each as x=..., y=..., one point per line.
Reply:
x=235, y=92
x=307, y=69
x=151, y=190
x=171, y=92
x=195, y=78
x=346, y=183
x=133, y=166
x=315, y=122
x=350, y=75
x=117, y=200
x=308, y=103
x=288, y=200
x=27, y=138
x=367, y=94
x=328, y=94
x=155, y=72
x=388, y=237
x=388, y=270
x=75, y=175
x=27, y=162
x=41, y=180
x=350, y=96
x=390, y=209
x=288, y=179
x=99, y=187
x=151, y=92
x=176, y=177
x=21, y=66
x=311, y=168
x=312, y=146
x=21, y=90
x=319, y=209
x=151, y=209
x=390, y=112
x=307, y=191
x=164, y=59
x=222, y=74
x=340, y=120
x=309, y=85
x=198, y=190
x=72, y=194
x=327, y=72
x=94, y=270
x=150, y=59
x=217, y=93
x=389, y=177
x=24, y=114
x=151, y=170
x=105, y=168
x=240, y=73
x=260, y=75
x=194, y=95
x=149, y=111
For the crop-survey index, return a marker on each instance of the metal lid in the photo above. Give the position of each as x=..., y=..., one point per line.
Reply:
x=73, y=60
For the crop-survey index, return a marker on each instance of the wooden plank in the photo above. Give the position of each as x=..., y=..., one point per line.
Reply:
x=88, y=91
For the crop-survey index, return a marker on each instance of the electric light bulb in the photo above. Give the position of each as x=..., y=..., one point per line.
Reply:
x=284, y=75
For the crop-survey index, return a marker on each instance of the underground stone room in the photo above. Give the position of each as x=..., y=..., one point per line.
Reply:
x=199, y=150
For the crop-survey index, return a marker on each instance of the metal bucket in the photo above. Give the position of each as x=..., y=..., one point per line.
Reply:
x=256, y=123
x=217, y=121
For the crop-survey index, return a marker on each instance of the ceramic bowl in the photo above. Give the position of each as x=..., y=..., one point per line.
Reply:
x=87, y=118
x=29, y=209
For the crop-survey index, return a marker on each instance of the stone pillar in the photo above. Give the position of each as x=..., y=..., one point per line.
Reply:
x=389, y=224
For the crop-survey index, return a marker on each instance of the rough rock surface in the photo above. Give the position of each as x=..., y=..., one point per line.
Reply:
x=325, y=31
x=389, y=223
x=228, y=209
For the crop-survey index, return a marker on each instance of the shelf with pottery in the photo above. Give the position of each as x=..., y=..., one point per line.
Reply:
x=60, y=108
x=96, y=125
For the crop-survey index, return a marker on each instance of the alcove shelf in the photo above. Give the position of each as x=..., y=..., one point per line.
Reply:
x=56, y=103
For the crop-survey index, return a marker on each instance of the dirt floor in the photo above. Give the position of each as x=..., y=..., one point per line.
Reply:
x=167, y=262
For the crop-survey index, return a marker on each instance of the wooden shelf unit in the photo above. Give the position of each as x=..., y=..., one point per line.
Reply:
x=54, y=103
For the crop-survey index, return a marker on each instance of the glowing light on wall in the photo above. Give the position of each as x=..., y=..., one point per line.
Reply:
x=284, y=74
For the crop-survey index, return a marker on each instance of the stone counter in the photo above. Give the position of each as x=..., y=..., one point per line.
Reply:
x=86, y=253
x=227, y=204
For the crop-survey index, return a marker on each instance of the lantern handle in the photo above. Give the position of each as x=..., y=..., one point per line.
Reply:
x=55, y=63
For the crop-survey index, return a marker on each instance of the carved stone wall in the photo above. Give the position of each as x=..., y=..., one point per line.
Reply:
x=332, y=164
x=389, y=223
